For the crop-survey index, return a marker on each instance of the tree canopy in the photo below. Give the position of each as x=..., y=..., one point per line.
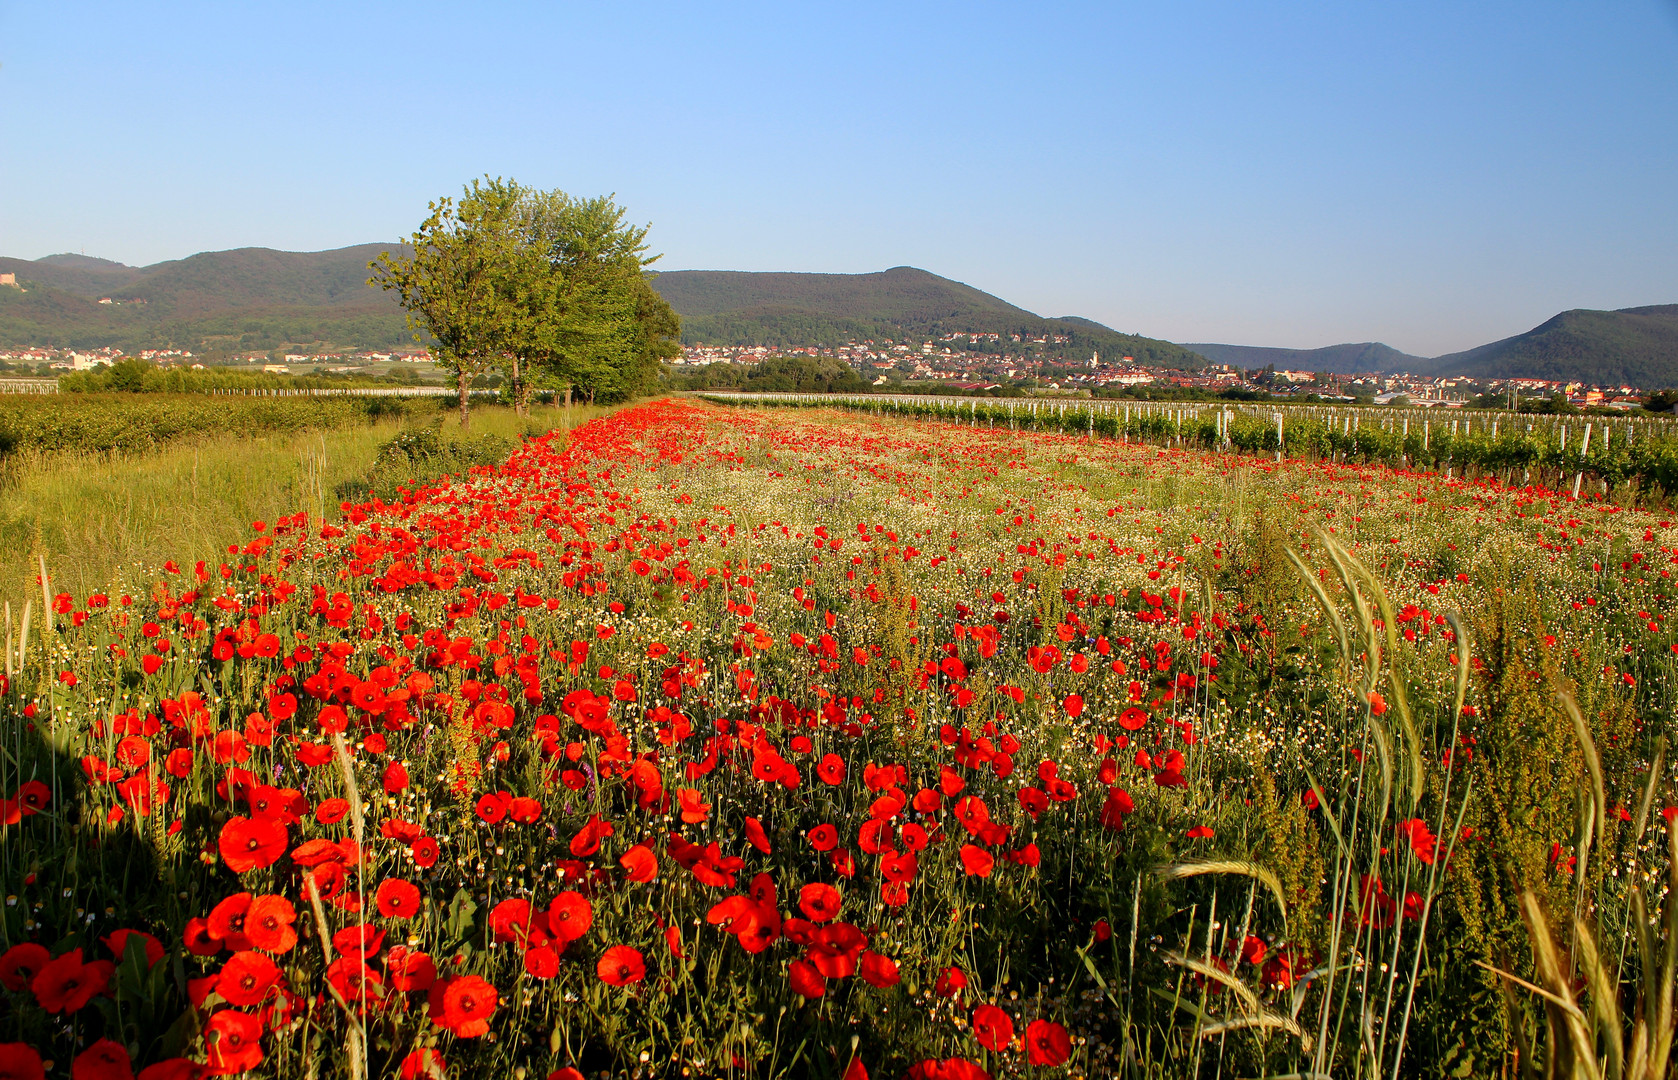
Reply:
x=546, y=287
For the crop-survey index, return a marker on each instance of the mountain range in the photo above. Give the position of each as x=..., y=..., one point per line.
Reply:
x=258, y=299
x=217, y=302
x=734, y=307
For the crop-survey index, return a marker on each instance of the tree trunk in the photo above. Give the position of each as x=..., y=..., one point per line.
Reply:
x=518, y=390
x=465, y=411
x=568, y=395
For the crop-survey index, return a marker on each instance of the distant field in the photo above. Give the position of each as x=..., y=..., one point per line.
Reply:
x=775, y=744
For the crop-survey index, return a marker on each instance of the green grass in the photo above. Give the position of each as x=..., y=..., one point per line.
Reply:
x=99, y=518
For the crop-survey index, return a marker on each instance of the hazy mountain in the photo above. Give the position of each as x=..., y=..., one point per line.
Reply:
x=1340, y=359
x=219, y=301
x=734, y=307
x=257, y=299
x=1635, y=346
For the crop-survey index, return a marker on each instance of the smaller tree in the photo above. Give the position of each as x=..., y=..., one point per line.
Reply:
x=458, y=280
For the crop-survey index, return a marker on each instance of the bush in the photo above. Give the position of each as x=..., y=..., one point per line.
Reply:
x=105, y=423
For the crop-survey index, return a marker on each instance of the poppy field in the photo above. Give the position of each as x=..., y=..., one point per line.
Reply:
x=716, y=742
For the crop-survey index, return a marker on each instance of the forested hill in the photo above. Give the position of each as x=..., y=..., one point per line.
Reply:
x=733, y=307
x=219, y=301
x=1339, y=359
x=1636, y=346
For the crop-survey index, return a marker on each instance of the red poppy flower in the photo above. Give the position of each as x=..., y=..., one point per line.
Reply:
x=570, y=915
x=395, y=778
x=874, y=836
x=1026, y=856
x=20, y=1061
x=397, y=899
x=510, y=921
x=227, y=921
x=972, y=812
x=831, y=769
x=332, y=720
x=21, y=963
x=640, y=862
x=368, y=697
x=878, y=970
x=899, y=867
x=992, y=1027
x=976, y=860
x=524, y=810
x=268, y=924
x=425, y=852
x=1133, y=719
x=805, y=979
x=820, y=902
x=332, y=811
x=409, y=970
x=104, y=1060
x=248, y=844
x=1046, y=1043
x=587, y=840
x=197, y=938
x=179, y=763
x=948, y=1069
x=541, y=962
x=950, y=982
x=1074, y=705
x=232, y=1043
x=621, y=965
x=463, y=1005
x=737, y=915
x=824, y=837
x=694, y=808
x=756, y=836
x=247, y=978
x=117, y=941
x=1170, y=778
x=65, y=984
x=491, y=809
x=1422, y=840
x=423, y=1064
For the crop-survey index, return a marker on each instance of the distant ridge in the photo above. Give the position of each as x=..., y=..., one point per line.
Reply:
x=248, y=299
x=735, y=307
x=258, y=299
x=1339, y=359
x=1634, y=346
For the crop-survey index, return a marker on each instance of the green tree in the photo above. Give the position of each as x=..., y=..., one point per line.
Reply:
x=461, y=284
x=593, y=322
x=127, y=375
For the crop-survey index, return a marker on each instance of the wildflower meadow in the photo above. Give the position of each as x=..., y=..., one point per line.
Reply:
x=716, y=742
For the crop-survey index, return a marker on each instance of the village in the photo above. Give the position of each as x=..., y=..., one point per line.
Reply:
x=950, y=363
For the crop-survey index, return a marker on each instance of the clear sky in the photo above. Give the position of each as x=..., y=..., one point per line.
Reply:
x=1432, y=175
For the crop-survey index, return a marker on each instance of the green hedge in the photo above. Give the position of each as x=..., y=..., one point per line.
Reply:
x=134, y=422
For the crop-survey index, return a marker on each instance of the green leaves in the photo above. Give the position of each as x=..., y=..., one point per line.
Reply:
x=513, y=277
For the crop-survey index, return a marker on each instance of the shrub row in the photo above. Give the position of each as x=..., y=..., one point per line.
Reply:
x=103, y=423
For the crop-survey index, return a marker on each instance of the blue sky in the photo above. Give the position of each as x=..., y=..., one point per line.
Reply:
x=1432, y=175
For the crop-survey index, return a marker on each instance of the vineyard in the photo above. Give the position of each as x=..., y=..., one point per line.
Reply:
x=943, y=741
x=1629, y=456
